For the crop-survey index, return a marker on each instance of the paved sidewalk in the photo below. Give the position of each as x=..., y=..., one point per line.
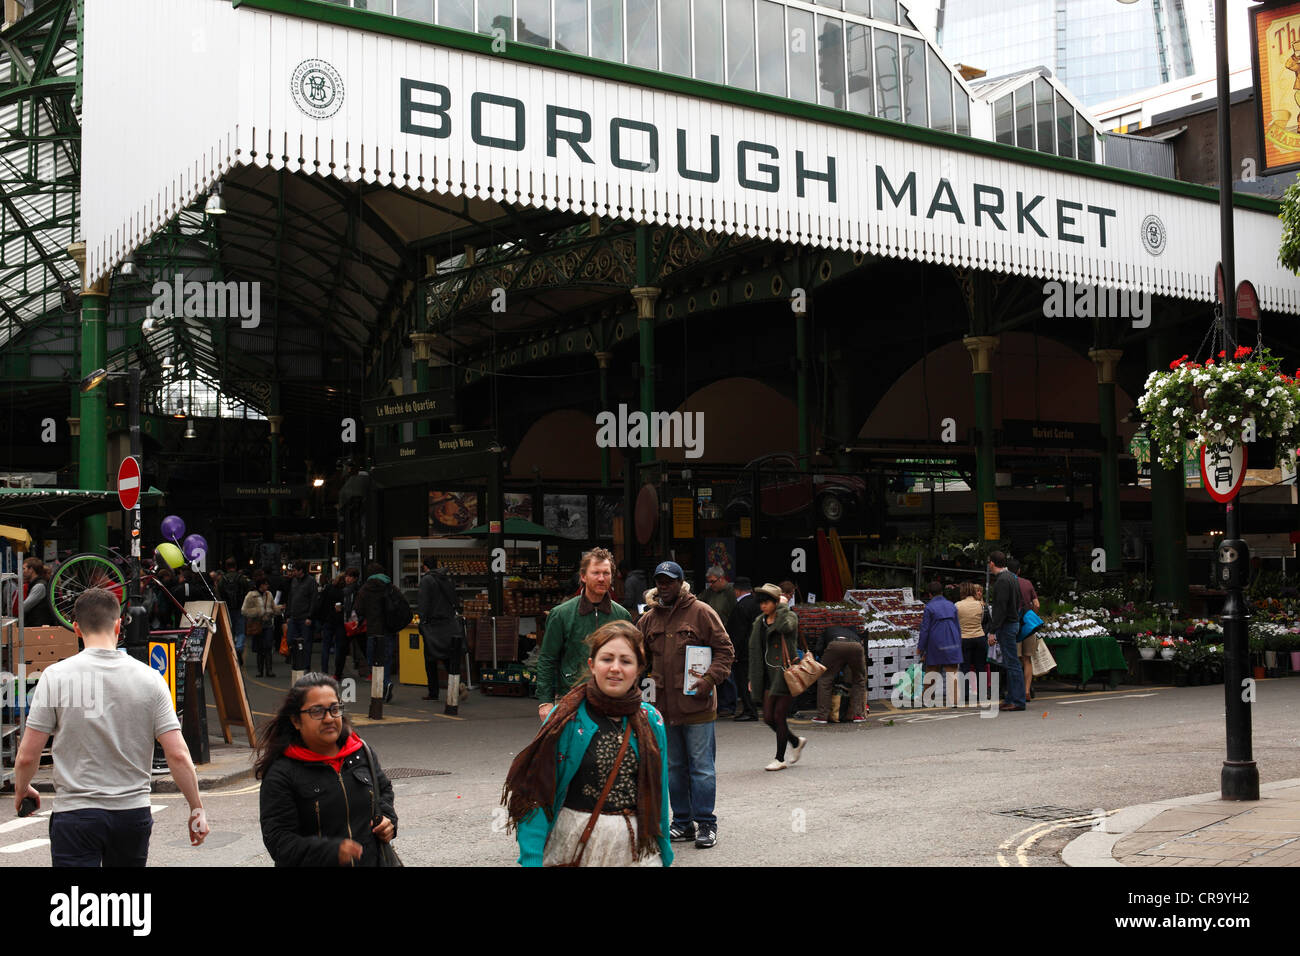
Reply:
x=1198, y=831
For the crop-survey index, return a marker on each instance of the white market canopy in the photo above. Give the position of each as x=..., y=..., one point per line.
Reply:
x=178, y=92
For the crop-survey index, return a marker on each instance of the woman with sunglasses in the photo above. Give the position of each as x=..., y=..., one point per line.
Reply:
x=325, y=800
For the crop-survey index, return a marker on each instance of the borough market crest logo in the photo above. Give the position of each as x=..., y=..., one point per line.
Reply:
x=317, y=88
x=1153, y=235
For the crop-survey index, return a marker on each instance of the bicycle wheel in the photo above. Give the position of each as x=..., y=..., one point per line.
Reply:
x=80, y=573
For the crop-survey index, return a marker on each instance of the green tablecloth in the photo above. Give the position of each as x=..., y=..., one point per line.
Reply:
x=1083, y=656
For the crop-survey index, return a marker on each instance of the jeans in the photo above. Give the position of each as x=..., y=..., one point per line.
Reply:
x=237, y=624
x=329, y=634
x=727, y=696
x=100, y=837
x=388, y=657
x=300, y=644
x=1011, y=663
x=692, y=784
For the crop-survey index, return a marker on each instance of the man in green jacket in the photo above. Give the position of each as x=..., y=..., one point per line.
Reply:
x=563, y=659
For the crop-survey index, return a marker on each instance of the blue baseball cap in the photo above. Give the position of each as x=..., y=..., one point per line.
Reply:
x=670, y=568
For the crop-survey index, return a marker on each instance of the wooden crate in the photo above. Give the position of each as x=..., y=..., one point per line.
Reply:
x=43, y=646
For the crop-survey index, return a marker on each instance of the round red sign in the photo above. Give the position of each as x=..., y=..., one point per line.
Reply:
x=1223, y=469
x=128, y=483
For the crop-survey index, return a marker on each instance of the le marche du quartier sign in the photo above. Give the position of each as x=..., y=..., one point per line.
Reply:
x=427, y=110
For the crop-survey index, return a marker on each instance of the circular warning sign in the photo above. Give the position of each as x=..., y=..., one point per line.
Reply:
x=128, y=483
x=158, y=659
x=1223, y=469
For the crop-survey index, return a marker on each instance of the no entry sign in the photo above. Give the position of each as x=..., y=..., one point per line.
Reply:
x=128, y=483
x=1223, y=469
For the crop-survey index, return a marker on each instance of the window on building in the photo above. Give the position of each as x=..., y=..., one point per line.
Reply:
x=533, y=22
x=860, y=7
x=858, y=47
x=1046, y=117
x=836, y=4
x=606, y=29
x=708, y=41
x=830, y=61
x=1004, y=121
x=458, y=14
x=642, y=33
x=1083, y=138
x=676, y=45
x=570, y=25
x=771, y=47
x=1064, y=126
x=494, y=15
x=888, y=98
x=374, y=6
x=1025, y=117
x=912, y=60
x=740, y=44
x=421, y=10
x=886, y=10
x=803, y=55
x=962, y=111
x=940, y=92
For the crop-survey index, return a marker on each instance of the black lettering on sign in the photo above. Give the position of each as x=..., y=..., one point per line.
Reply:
x=774, y=183
x=476, y=121
x=410, y=106
x=883, y=185
x=1063, y=221
x=800, y=174
x=616, y=127
x=1101, y=213
x=1026, y=214
x=712, y=174
x=574, y=137
x=940, y=204
x=982, y=207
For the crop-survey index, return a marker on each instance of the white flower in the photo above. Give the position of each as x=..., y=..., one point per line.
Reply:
x=1250, y=393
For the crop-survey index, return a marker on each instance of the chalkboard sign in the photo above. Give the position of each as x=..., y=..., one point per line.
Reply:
x=191, y=651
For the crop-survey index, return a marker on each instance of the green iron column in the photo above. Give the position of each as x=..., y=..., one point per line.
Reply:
x=276, y=421
x=646, y=296
x=981, y=348
x=92, y=444
x=602, y=359
x=1168, y=511
x=423, y=359
x=1107, y=360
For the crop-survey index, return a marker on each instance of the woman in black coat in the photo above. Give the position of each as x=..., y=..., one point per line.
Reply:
x=325, y=800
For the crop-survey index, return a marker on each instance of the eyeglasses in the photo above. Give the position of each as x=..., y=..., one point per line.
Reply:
x=318, y=712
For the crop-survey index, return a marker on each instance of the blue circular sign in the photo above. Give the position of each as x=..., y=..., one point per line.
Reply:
x=158, y=659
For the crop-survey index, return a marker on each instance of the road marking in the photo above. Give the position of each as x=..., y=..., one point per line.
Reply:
x=1102, y=700
x=19, y=822
x=25, y=845
x=1043, y=828
x=157, y=808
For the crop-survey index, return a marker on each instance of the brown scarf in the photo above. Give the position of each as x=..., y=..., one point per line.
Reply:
x=586, y=607
x=531, y=782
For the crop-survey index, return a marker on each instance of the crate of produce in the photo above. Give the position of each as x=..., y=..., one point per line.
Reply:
x=505, y=689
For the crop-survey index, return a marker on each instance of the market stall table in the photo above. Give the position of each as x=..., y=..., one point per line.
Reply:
x=1082, y=657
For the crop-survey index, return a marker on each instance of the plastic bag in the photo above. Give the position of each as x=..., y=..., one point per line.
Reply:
x=995, y=652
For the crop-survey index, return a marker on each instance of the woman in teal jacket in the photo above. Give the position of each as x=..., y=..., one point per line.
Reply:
x=556, y=783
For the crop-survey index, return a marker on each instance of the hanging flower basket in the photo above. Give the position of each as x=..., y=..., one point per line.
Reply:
x=1209, y=404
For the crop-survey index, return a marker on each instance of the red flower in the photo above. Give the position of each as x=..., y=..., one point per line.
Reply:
x=1242, y=352
x=1222, y=353
x=1210, y=361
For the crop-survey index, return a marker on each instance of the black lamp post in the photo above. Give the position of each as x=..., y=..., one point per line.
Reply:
x=1239, y=779
x=137, y=634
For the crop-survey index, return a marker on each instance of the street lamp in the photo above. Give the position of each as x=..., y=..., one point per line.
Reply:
x=1239, y=779
x=138, y=622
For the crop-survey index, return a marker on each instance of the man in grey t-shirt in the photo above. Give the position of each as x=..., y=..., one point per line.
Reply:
x=105, y=710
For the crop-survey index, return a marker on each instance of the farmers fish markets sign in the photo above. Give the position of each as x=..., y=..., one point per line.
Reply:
x=422, y=116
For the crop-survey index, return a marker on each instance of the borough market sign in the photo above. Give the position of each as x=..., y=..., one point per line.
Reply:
x=431, y=109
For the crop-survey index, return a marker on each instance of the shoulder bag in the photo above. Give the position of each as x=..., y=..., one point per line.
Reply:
x=600, y=802
x=387, y=855
x=1029, y=619
x=802, y=675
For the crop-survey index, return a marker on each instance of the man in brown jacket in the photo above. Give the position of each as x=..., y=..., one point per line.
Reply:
x=674, y=621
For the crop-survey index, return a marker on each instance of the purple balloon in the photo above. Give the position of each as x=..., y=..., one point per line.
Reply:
x=192, y=545
x=173, y=528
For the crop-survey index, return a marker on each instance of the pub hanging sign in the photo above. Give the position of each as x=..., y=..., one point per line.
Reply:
x=1275, y=59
